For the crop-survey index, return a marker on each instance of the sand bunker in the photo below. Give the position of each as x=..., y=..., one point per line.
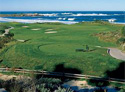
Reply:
x=36, y=29
x=7, y=77
x=25, y=26
x=51, y=32
x=21, y=40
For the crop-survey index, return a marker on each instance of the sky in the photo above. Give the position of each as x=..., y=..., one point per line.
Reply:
x=62, y=5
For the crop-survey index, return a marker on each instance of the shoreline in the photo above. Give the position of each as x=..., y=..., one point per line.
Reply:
x=21, y=15
x=62, y=17
x=118, y=23
x=2, y=20
x=52, y=21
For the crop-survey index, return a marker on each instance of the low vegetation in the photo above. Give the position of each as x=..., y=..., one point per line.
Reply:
x=2, y=28
x=25, y=84
x=28, y=84
x=7, y=38
x=117, y=37
x=121, y=41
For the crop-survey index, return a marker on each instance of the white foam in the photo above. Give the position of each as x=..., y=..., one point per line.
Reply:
x=111, y=20
x=71, y=19
x=95, y=14
x=61, y=18
x=64, y=18
x=53, y=14
x=66, y=13
x=34, y=21
x=90, y=14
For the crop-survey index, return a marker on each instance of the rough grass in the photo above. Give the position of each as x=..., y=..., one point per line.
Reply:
x=48, y=50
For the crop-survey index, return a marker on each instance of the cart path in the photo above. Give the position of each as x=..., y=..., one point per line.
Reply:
x=116, y=53
x=7, y=31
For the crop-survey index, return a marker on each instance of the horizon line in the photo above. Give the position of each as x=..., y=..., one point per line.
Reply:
x=56, y=10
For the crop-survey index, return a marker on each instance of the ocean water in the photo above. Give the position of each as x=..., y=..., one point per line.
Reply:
x=68, y=17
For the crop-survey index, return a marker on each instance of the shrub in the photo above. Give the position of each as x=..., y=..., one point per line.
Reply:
x=42, y=88
x=123, y=31
x=121, y=40
x=3, y=27
x=25, y=84
x=9, y=35
x=50, y=83
x=1, y=82
x=63, y=90
x=49, y=80
x=21, y=85
x=2, y=31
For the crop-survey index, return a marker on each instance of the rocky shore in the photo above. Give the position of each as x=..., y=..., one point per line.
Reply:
x=20, y=15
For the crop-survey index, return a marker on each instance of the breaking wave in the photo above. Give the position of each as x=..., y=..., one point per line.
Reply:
x=66, y=13
x=90, y=14
x=71, y=19
x=94, y=14
x=53, y=14
x=34, y=21
x=61, y=18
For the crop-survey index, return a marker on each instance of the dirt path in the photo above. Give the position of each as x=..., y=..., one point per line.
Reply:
x=116, y=53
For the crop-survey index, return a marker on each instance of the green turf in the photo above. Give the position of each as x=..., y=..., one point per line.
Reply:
x=48, y=50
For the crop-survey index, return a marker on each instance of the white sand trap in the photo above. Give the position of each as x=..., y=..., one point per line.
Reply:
x=51, y=32
x=21, y=40
x=25, y=26
x=36, y=29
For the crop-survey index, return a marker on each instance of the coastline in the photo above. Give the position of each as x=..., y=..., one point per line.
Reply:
x=118, y=23
x=35, y=21
x=47, y=21
x=66, y=17
x=20, y=15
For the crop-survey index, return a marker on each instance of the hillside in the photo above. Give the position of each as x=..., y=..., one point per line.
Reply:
x=117, y=37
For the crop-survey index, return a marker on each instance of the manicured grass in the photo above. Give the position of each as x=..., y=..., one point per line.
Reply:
x=48, y=50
